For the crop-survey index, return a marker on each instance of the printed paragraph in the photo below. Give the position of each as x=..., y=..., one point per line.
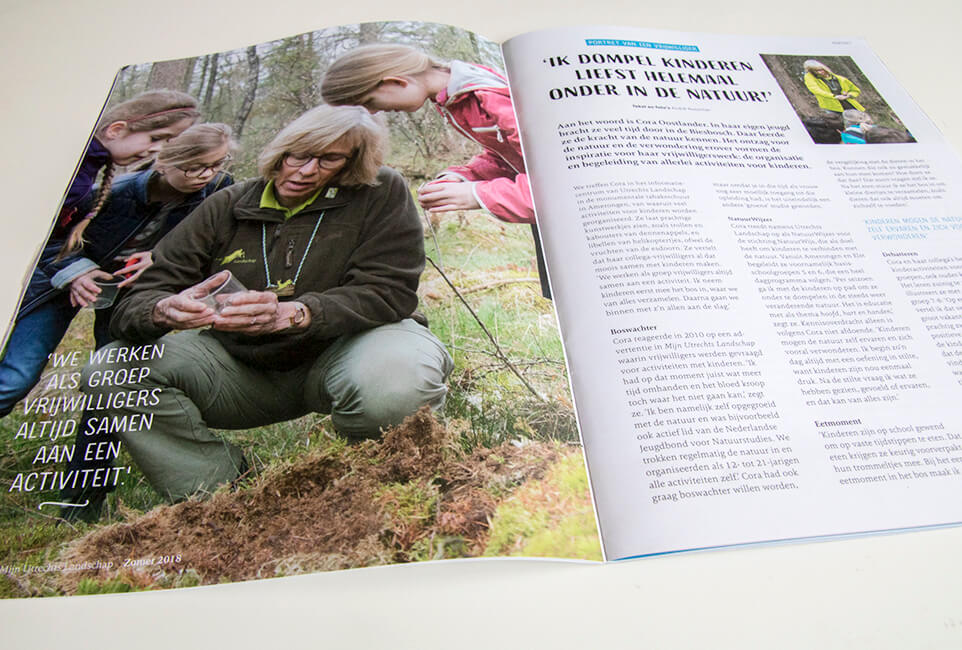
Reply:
x=862, y=454
x=765, y=196
x=834, y=322
x=934, y=287
x=647, y=251
x=705, y=426
x=628, y=142
x=887, y=183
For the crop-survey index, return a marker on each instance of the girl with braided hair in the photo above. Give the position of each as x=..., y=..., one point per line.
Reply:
x=127, y=133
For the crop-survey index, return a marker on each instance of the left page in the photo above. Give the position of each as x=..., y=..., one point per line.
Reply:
x=247, y=351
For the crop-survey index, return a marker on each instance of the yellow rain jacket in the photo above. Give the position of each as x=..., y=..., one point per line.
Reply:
x=826, y=99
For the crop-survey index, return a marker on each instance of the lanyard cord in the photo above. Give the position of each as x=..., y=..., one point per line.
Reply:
x=297, y=274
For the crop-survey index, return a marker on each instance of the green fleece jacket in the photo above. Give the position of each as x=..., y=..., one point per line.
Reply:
x=362, y=269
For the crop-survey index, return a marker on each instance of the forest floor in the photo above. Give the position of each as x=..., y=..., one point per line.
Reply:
x=414, y=495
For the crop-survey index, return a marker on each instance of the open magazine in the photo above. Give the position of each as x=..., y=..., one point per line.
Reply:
x=245, y=352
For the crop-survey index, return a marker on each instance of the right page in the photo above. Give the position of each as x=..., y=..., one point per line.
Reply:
x=754, y=248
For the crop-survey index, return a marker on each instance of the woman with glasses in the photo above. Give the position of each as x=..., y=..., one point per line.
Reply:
x=139, y=210
x=330, y=249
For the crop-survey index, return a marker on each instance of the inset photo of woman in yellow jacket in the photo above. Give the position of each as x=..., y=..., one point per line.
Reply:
x=834, y=92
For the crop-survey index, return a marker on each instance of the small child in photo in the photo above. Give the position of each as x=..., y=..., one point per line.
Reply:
x=857, y=126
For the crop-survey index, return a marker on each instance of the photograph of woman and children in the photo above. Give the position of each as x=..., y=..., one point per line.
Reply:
x=289, y=319
x=835, y=101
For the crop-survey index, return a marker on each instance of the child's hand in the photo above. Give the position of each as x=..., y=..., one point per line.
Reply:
x=84, y=289
x=136, y=264
x=446, y=195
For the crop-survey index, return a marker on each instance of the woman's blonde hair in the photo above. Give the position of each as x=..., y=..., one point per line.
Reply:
x=812, y=65
x=357, y=73
x=322, y=126
x=153, y=109
x=196, y=142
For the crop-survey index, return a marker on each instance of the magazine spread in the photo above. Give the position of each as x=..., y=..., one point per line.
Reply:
x=248, y=350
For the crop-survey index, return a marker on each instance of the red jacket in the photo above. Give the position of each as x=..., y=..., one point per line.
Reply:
x=477, y=102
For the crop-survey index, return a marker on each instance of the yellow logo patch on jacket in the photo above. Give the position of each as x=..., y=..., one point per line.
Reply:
x=237, y=257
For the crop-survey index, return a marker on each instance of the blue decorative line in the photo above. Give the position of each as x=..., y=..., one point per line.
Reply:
x=617, y=42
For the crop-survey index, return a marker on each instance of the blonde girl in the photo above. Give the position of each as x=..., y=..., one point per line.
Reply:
x=131, y=131
x=473, y=99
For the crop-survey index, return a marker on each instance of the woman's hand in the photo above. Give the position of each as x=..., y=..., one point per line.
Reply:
x=182, y=311
x=259, y=312
x=249, y=312
x=84, y=289
x=136, y=264
x=445, y=195
x=253, y=313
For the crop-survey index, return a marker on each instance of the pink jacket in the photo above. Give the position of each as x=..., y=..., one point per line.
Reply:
x=477, y=102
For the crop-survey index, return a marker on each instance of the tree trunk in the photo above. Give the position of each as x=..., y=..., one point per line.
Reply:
x=188, y=73
x=367, y=33
x=203, y=76
x=211, y=80
x=168, y=74
x=253, y=74
x=475, y=46
x=791, y=81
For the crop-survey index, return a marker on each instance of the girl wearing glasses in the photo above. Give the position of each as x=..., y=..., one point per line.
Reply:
x=114, y=242
x=142, y=208
x=130, y=132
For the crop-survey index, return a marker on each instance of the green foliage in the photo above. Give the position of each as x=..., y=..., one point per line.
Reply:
x=188, y=578
x=575, y=536
x=492, y=264
x=551, y=518
x=409, y=501
x=89, y=587
x=287, y=440
x=411, y=509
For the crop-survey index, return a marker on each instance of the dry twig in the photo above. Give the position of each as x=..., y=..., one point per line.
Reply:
x=499, y=353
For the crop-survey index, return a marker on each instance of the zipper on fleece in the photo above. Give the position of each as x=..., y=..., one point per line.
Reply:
x=489, y=129
x=470, y=136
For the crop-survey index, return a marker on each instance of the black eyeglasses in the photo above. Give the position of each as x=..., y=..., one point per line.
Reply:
x=324, y=160
x=196, y=171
